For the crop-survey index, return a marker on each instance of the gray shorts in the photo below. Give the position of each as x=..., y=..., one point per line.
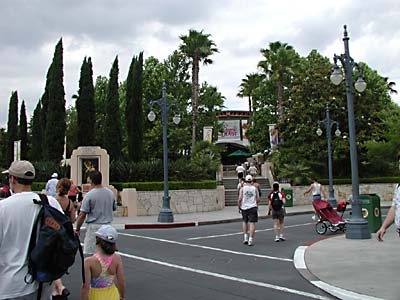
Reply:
x=278, y=214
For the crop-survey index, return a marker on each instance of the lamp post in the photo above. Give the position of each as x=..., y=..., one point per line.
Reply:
x=165, y=215
x=328, y=125
x=357, y=227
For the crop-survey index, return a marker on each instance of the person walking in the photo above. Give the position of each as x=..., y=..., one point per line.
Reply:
x=73, y=192
x=317, y=191
x=97, y=208
x=240, y=171
x=60, y=292
x=248, y=201
x=277, y=201
x=253, y=170
x=51, y=185
x=392, y=216
x=103, y=267
x=18, y=214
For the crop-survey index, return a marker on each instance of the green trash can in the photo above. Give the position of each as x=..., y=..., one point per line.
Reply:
x=371, y=210
x=289, y=197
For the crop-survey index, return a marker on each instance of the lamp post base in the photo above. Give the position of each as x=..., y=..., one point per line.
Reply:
x=357, y=230
x=165, y=216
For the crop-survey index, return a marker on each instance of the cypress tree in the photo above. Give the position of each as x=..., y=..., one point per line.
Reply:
x=12, y=127
x=36, y=152
x=112, y=130
x=134, y=108
x=85, y=106
x=23, y=132
x=54, y=131
x=3, y=147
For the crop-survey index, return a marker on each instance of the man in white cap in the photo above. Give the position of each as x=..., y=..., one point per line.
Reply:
x=18, y=214
x=51, y=185
x=248, y=201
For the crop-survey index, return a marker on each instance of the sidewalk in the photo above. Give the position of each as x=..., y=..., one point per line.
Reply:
x=347, y=269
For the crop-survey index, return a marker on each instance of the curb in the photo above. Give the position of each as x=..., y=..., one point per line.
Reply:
x=301, y=267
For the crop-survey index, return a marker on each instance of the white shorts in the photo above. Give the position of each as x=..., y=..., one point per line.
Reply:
x=89, y=246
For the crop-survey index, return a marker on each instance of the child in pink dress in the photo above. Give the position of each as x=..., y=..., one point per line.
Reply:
x=104, y=270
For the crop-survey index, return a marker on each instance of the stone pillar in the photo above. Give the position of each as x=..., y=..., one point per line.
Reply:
x=129, y=199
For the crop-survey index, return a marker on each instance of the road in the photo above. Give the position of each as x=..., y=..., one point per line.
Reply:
x=210, y=262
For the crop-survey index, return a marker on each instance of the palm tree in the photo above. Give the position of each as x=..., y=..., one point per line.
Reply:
x=248, y=86
x=278, y=63
x=197, y=46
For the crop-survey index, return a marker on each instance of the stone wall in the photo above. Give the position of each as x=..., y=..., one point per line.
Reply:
x=343, y=191
x=182, y=201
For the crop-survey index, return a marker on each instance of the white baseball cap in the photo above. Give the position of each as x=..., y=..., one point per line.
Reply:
x=249, y=178
x=107, y=233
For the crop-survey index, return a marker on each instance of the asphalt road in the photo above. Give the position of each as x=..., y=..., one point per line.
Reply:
x=210, y=262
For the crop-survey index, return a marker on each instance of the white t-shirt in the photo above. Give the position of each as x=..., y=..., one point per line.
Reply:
x=316, y=189
x=17, y=216
x=249, y=197
x=239, y=169
x=396, y=205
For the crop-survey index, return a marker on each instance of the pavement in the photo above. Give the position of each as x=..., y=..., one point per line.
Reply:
x=347, y=269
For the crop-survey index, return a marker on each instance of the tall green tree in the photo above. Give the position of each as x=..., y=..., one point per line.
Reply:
x=36, y=152
x=12, y=127
x=198, y=47
x=280, y=58
x=54, y=131
x=134, y=116
x=72, y=129
x=3, y=148
x=112, y=130
x=23, y=132
x=248, y=87
x=85, y=106
x=100, y=100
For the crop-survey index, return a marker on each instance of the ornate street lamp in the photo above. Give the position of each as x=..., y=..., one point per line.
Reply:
x=165, y=215
x=357, y=227
x=328, y=123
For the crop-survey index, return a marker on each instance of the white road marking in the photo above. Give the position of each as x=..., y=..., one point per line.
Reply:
x=208, y=248
x=341, y=293
x=299, y=261
x=238, y=233
x=227, y=277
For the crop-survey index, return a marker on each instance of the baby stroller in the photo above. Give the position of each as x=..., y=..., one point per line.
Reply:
x=328, y=218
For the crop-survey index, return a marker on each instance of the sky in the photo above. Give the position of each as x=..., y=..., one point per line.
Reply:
x=103, y=29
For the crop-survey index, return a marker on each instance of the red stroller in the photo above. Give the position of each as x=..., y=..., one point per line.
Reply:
x=328, y=218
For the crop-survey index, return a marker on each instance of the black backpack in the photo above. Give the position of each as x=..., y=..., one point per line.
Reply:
x=54, y=250
x=276, y=201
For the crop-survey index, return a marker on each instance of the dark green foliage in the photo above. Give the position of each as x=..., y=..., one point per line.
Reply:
x=23, y=132
x=100, y=98
x=44, y=169
x=54, y=110
x=112, y=130
x=134, y=115
x=71, y=133
x=36, y=152
x=85, y=106
x=12, y=127
x=3, y=147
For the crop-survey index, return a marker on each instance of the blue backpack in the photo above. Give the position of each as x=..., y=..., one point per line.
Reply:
x=53, y=245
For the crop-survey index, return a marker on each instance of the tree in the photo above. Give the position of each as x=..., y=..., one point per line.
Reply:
x=248, y=87
x=23, y=132
x=134, y=115
x=100, y=100
x=72, y=129
x=280, y=58
x=12, y=127
x=3, y=147
x=112, y=129
x=85, y=107
x=54, y=131
x=36, y=152
x=198, y=47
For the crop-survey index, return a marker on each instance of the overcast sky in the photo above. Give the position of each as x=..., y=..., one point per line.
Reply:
x=102, y=29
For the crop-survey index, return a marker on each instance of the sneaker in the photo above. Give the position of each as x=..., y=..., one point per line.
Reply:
x=245, y=242
x=277, y=239
x=251, y=242
x=281, y=238
x=314, y=218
